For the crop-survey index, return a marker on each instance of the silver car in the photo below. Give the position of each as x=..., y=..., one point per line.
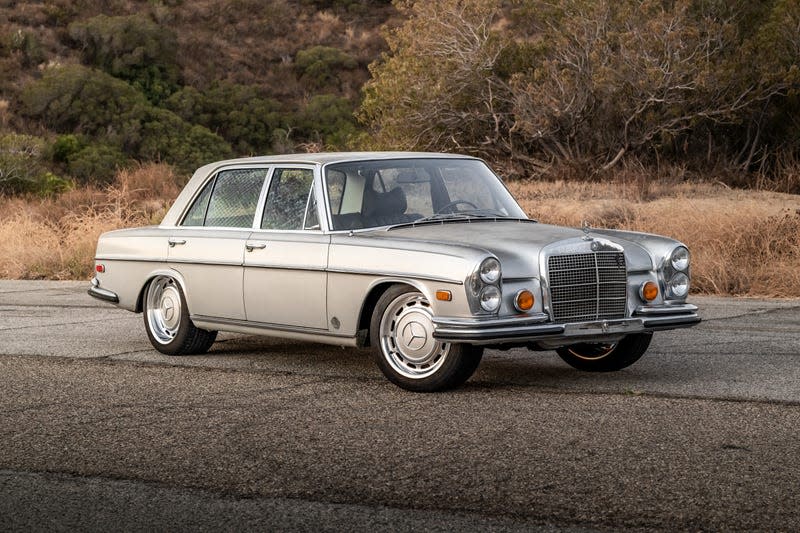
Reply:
x=426, y=258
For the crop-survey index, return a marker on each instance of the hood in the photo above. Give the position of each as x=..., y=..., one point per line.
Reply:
x=516, y=244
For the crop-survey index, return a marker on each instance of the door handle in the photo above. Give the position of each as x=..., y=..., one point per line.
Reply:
x=175, y=242
x=255, y=246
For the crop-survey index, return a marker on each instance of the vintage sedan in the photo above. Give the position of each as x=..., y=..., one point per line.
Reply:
x=426, y=258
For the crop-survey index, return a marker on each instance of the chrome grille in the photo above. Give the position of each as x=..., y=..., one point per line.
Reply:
x=588, y=286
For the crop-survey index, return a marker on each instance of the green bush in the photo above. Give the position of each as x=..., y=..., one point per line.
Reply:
x=79, y=99
x=133, y=48
x=327, y=118
x=164, y=136
x=23, y=169
x=319, y=66
x=29, y=46
x=237, y=113
x=65, y=146
x=96, y=163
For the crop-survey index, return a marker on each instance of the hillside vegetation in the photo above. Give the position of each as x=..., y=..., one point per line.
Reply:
x=679, y=117
x=91, y=86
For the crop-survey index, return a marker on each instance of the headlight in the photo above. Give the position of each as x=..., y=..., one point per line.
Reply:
x=490, y=270
x=490, y=298
x=678, y=286
x=680, y=259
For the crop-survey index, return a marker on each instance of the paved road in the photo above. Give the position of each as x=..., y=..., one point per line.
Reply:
x=97, y=430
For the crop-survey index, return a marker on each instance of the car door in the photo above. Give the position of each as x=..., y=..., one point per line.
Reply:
x=287, y=254
x=207, y=247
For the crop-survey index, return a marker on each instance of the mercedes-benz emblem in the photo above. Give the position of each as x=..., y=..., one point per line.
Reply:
x=414, y=335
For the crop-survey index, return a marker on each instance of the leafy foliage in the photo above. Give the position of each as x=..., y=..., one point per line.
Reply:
x=328, y=119
x=238, y=113
x=319, y=65
x=132, y=48
x=588, y=82
x=23, y=169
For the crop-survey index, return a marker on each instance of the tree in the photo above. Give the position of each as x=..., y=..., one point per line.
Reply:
x=435, y=88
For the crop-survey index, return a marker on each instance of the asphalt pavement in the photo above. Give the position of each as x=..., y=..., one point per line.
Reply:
x=99, y=431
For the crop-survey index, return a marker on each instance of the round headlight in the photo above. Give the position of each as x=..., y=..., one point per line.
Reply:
x=680, y=258
x=490, y=270
x=679, y=285
x=490, y=298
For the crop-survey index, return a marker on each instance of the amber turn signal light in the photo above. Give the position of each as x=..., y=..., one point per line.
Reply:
x=444, y=296
x=649, y=291
x=524, y=300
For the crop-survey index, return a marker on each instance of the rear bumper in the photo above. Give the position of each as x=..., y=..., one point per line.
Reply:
x=102, y=294
x=537, y=328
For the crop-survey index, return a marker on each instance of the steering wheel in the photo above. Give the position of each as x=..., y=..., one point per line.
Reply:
x=454, y=203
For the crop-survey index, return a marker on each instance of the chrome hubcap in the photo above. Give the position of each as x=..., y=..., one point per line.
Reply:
x=406, y=335
x=163, y=309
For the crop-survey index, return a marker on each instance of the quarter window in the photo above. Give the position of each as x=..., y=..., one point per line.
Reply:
x=287, y=200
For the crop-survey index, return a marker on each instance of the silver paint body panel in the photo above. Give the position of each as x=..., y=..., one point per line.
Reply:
x=313, y=284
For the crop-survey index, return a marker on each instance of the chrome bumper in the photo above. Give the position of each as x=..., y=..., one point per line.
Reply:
x=102, y=294
x=536, y=328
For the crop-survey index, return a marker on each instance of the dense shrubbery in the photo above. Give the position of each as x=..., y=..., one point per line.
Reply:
x=132, y=48
x=591, y=82
x=237, y=113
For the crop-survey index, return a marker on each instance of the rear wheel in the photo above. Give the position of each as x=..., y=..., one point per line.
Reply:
x=609, y=357
x=166, y=319
x=401, y=335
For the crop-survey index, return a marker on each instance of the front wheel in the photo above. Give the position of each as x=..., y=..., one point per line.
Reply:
x=401, y=335
x=166, y=319
x=599, y=357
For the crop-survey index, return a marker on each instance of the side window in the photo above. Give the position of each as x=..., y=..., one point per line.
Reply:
x=197, y=213
x=287, y=199
x=228, y=200
x=235, y=197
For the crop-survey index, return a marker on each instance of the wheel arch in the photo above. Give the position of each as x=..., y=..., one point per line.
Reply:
x=376, y=290
x=174, y=274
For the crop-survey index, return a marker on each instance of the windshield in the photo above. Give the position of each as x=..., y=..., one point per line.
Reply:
x=367, y=194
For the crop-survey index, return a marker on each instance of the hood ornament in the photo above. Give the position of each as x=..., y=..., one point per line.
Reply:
x=586, y=229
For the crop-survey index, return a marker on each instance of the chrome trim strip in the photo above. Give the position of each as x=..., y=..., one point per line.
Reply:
x=205, y=263
x=491, y=333
x=130, y=259
x=665, y=309
x=265, y=326
x=328, y=270
x=393, y=275
x=448, y=322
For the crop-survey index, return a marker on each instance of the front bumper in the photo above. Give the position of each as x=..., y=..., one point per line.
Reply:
x=535, y=328
x=102, y=294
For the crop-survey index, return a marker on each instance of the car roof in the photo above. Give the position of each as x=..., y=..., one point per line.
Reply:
x=323, y=158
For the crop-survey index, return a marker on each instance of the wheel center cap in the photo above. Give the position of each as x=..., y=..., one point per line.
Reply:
x=414, y=335
x=169, y=309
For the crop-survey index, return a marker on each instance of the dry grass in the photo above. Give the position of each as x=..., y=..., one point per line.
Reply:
x=743, y=242
x=56, y=238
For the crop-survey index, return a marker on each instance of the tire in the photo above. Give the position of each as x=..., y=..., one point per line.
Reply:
x=167, y=322
x=606, y=357
x=401, y=336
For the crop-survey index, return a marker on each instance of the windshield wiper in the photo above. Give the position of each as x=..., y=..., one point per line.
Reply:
x=476, y=213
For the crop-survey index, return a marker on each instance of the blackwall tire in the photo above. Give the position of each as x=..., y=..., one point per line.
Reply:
x=167, y=322
x=606, y=357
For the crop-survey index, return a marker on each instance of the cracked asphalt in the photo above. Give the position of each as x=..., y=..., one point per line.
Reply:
x=98, y=431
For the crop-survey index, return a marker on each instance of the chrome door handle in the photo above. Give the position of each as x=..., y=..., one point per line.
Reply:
x=253, y=246
x=175, y=242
